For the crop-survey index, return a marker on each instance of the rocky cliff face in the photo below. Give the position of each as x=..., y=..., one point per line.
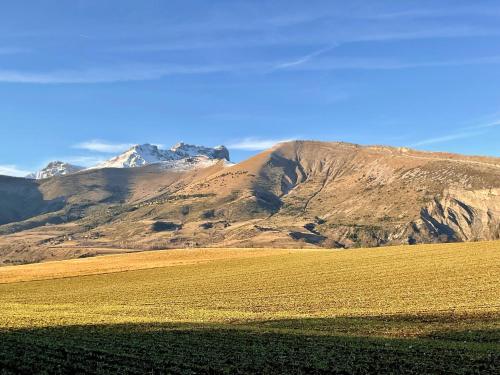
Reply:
x=461, y=215
x=185, y=150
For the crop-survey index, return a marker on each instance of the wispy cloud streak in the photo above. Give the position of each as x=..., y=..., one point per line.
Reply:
x=85, y=161
x=103, y=146
x=461, y=133
x=12, y=170
x=306, y=58
x=389, y=64
x=447, y=138
x=486, y=11
x=487, y=125
x=310, y=62
x=256, y=144
x=108, y=74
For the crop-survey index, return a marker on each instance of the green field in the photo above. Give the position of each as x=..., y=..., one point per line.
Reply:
x=419, y=309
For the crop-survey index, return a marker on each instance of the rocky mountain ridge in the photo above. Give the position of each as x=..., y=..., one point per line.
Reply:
x=181, y=156
x=297, y=194
x=141, y=155
x=55, y=168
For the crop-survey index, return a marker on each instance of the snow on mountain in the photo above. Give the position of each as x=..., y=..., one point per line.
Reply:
x=136, y=156
x=181, y=156
x=184, y=150
x=55, y=168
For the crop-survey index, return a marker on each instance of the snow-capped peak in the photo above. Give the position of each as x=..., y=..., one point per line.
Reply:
x=140, y=155
x=185, y=150
x=182, y=156
x=55, y=168
x=136, y=156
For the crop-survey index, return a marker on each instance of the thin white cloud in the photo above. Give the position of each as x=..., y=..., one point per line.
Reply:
x=84, y=161
x=260, y=37
x=487, y=11
x=306, y=58
x=487, y=125
x=103, y=146
x=447, y=138
x=480, y=128
x=424, y=33
x=388, y=64
x=12, y=170
x=310, y=62
x=256, y=144
x=107, y=74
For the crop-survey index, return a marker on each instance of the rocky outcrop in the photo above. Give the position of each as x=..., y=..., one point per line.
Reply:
x=459, y=215
x=181, y=154
x=55, y=168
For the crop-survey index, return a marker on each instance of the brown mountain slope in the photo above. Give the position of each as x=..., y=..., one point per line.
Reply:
x=337, y=194
x=298, y=194
x=21, y=199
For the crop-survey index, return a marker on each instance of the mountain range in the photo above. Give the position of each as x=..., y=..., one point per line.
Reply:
x=297, y=194
x=180, y=156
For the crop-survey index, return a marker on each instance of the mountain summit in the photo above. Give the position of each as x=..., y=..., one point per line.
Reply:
x=55, y=168
x=141, y=155
x=185, y=150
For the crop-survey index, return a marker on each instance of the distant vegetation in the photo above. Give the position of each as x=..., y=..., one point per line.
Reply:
x=420, y=309
x=160, y=226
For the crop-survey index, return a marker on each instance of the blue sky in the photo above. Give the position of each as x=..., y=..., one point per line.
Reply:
x=81, y=80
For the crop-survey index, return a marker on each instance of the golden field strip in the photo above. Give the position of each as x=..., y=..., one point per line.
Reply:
x=393, y=292
x=119, y=263
x=227, y=285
